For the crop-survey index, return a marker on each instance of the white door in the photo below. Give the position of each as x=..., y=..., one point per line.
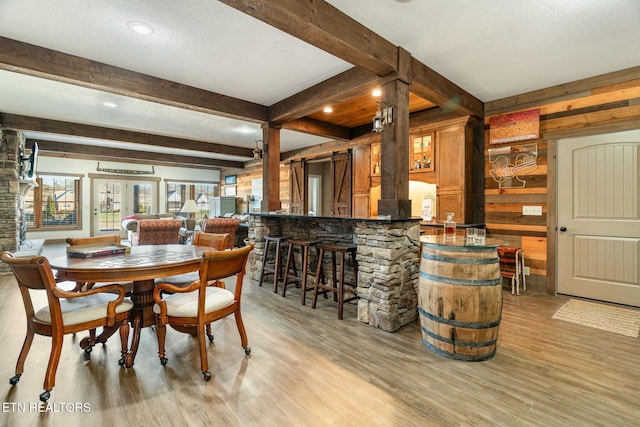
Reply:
x=598, y=252
x=115, y=198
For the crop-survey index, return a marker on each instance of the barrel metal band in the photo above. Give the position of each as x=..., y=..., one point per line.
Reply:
x=464, y=282
x=451, y=322
x=455, y=260
x=464, y=357
x=457, y=342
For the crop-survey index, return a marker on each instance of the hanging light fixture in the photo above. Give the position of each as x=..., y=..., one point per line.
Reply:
x=257, y=152
x=384, y=116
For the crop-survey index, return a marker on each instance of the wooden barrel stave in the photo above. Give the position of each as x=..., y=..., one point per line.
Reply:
x=460, y=301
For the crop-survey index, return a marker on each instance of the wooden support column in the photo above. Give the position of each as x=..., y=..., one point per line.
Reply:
x=270, y=169
x=394, y=146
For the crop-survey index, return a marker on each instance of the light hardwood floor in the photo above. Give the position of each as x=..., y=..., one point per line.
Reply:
x=307, y=368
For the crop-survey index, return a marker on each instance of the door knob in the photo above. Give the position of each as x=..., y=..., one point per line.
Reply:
x=563, y=229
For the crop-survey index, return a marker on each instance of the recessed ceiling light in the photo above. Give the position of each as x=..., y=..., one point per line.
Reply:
x=328, y=110
x=376, y=92
x=109, y=104
x=140, y=28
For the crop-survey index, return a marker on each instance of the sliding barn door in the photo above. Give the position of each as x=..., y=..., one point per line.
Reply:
x=297, y=188
x=341, y=184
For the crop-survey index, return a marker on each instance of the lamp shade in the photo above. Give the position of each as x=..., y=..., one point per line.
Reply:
x=190, y=206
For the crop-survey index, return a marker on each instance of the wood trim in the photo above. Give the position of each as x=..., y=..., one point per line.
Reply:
x=552, y=221
x=37, y=61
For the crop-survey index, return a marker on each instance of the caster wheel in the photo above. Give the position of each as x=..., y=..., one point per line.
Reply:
x=88, y=349
x=210, y=336
x=45, y=395
x=206, y=375
x=247, y=350
x=14, y=380
x=163, y=361
x=121, y=361
x=84, y=343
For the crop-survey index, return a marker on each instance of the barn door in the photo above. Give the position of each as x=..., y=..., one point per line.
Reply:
x=297, y=188
x=341, y=184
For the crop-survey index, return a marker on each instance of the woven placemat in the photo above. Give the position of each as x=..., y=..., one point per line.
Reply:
x=620, y=320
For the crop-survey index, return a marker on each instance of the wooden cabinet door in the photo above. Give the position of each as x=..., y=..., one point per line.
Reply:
x=341, y=184
x=361, y=181
x=453, y=173
x=298, y=188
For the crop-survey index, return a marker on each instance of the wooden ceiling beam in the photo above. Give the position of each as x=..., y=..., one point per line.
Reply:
x=25, y=123
x=93, y=152
x=37, y=61
x=432, y=86
x=326, y=27
x=320, y=128
x=334, y=90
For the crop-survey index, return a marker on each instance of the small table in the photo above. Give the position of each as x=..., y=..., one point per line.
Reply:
x=141, y=266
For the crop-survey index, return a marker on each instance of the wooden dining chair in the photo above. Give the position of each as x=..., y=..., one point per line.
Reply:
x=217, y=241
x=190, y=309
x=109, y=239
x=66, y=312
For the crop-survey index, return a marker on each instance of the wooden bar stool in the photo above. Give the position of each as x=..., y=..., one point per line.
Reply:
x=341, y=250
x=290, y=270
x=274, y=268
x=512, y=266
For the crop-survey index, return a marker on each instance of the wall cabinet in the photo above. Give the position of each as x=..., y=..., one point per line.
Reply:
x=421, y=152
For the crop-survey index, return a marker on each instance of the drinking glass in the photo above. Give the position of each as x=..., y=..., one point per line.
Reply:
x=481, y=235
x=471, y=236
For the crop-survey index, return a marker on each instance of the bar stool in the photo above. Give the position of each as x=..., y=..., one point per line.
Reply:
x=512, y=267
x=276, y=267
x=290, y=270
x=341, y=250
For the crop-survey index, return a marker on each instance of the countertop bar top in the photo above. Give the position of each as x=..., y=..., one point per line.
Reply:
x=381, y=218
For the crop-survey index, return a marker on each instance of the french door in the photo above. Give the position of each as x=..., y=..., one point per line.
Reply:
x=113, y=199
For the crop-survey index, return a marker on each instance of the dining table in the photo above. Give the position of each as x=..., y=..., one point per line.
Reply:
x=140, y=265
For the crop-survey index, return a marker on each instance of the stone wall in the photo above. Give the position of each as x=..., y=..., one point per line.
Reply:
x=11, y=145
x=388, y=261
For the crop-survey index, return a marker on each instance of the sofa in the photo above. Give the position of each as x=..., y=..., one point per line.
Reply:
x=130, y=223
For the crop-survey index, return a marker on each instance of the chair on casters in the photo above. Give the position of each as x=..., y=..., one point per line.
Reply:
x=67, y=312
x=338, y=279
x=512, y=267
x=290, y=270
x=274, y=268
x=189, y=309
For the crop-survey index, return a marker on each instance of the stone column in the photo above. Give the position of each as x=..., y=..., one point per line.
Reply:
x=11, y=145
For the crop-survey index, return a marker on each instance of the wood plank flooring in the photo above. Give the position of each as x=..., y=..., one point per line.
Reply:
x=307, y=368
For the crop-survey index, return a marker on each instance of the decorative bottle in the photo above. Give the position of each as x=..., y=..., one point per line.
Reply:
x=449, y=225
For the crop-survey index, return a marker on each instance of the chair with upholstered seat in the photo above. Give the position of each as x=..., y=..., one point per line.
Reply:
x=109, y=239
x=190, y=309
x=221, y=226
x=67, y=312
x=157, y=232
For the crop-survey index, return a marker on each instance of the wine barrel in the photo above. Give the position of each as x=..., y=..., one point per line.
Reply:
x=460, y=298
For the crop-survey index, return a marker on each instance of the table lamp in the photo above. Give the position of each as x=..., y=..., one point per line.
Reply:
x=190, y=207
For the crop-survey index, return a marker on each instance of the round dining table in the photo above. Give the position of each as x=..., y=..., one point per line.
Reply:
x=141, y=265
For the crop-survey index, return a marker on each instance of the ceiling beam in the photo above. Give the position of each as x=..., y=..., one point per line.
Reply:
x=93, y=152
x=37, y=61
x=326, y=27
x=33, y=124
x=320, y=128
x=334, y=90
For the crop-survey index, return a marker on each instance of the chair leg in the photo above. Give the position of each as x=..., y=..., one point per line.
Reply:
x=287, y=266
x=333, y=271
x=264, y=262
x=204, y=362
x=276, y=274
x=26, y=346
x=319, y=277
x=52, y=367
x=161, y=333
x=305, y=272
x=243, y=334
x=124, y=340
x=341, y=287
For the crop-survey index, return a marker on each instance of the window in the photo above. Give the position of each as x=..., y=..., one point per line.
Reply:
x=179, y=192
x=55, y=203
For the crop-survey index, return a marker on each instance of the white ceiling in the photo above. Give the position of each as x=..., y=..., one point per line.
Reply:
x=490, y=48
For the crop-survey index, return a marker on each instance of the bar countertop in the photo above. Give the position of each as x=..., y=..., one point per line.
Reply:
x=380, y=218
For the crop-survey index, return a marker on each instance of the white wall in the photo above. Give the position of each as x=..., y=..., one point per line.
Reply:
x=86, y=167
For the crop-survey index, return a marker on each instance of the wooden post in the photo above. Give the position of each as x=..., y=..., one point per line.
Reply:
x=270, y=169
x=394, y=150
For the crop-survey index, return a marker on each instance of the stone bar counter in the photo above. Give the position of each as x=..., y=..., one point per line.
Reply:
x=387, y=255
